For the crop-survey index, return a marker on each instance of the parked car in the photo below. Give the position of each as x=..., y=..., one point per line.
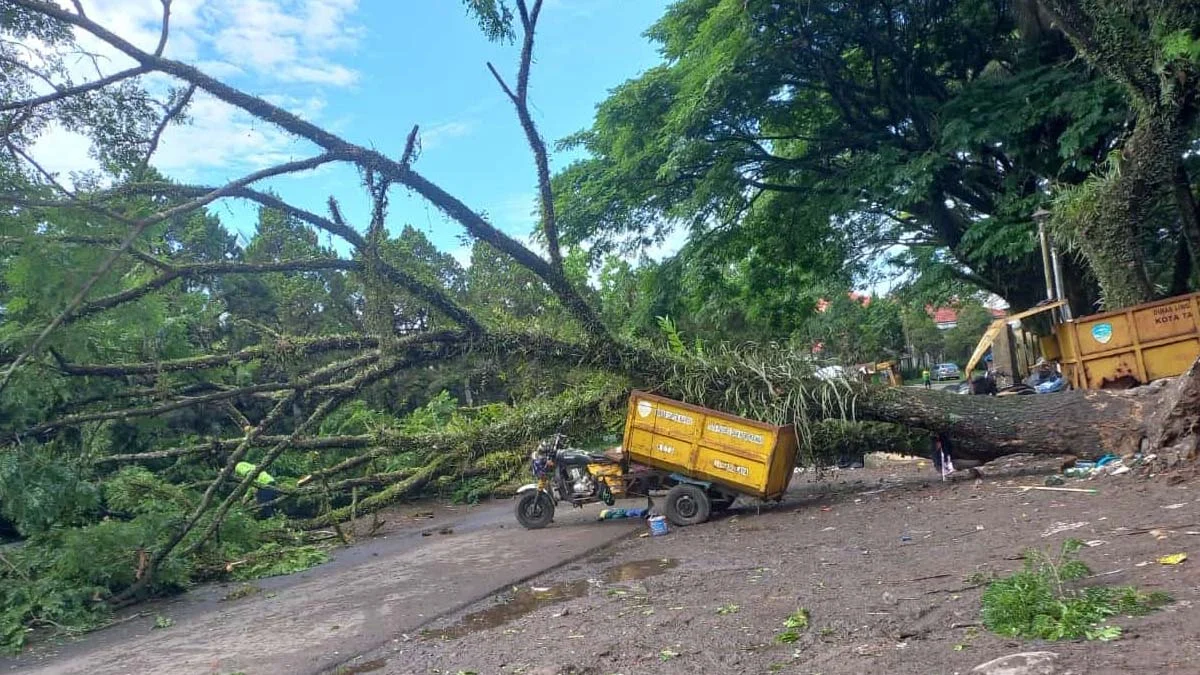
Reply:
x=946, y=371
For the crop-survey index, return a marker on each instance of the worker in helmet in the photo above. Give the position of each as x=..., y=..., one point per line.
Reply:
x=264, y=487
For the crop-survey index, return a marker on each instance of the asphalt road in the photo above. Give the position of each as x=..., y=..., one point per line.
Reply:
x=369, y=595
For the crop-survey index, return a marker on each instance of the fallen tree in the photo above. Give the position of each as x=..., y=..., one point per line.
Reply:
x=280, y=408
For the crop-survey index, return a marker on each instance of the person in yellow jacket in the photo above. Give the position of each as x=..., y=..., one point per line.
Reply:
x=264, y=487
x=925, y=378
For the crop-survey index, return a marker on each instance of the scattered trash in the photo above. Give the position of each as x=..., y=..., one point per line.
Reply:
x=1094, y=543
x=829, y=529
x=1157, y=534
x=618, y=514
x=1026, y=488
x=1119, y=470
x=1173, y=559
x=658, y=526
x=539, y=589
x=1058, y=528
x=905, y=538
x=1175, y=506
x=1054, y=480
x=1025, y=662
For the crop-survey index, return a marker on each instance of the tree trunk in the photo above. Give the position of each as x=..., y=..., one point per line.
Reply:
x=1189, y=217
x=1125, y=202
x=1181, y=274
x=1164, y=419
x=1153, y=418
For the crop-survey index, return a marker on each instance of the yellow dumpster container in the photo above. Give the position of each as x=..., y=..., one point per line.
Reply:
x=1132, y=346
x=741, y=455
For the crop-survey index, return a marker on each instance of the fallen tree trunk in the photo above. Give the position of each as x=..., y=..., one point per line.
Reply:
x=1163, y=418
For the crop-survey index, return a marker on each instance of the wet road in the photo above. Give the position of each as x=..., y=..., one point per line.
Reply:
x=369, y=595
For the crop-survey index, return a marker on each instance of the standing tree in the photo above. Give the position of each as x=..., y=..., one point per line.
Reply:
x=1152, y=50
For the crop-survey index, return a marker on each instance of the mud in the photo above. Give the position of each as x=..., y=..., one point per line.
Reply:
x=512, y=606
x=888, y=565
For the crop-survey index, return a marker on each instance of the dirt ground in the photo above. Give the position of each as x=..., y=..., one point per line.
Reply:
x=882, y=560
x=427, y=560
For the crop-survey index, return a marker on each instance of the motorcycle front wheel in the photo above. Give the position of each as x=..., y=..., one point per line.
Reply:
x=535, y=510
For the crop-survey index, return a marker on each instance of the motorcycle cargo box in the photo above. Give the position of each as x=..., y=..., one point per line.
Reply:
x=745, y=456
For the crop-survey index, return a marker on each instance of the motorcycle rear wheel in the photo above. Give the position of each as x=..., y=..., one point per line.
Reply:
x=535, y=510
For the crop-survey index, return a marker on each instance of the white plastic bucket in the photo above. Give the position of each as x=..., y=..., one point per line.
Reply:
x=658, y=526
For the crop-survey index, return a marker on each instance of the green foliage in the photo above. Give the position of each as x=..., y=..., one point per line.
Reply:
x=934, y=139
x=62, y=578
x=1181, y=45
x=796, y=623
x=1040, y=601
x=973, y=319
x=40, y=489
x=922, y=333
x=671, y=332
x=274, y=559
x=494, y=16
x=857, y=330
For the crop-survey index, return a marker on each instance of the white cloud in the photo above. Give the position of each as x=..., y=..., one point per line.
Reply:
x=60, y=152
x=281, y=40
x=290, y=40
x=223, y=137
x=263, y=46
x=438, y=134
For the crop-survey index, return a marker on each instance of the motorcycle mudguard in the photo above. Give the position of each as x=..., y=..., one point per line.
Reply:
x=527, y=487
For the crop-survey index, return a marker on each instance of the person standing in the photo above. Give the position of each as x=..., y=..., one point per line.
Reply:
x=925, y=379
x=264, y=487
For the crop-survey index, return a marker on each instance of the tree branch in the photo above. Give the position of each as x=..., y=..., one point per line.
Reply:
x=138, y=227
x=368, y=159
x=166, y=23
x=317, y=377
x=67, y=92
x=203, y=269
x=318, y=443
x=173, y=112
x=520, y=100
x=300, y=347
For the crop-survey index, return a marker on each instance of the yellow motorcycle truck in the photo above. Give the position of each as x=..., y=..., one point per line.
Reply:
x=705, y=458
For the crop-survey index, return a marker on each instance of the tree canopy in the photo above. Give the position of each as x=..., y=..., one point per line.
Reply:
x=924, y=131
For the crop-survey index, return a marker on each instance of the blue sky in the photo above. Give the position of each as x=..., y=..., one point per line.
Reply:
x=369, y=70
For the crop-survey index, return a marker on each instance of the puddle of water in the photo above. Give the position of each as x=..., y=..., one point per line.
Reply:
x=364, y=667
x=639, y=569
x=528, y=599
x=519, y=604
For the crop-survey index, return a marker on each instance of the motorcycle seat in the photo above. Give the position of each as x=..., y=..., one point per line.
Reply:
x=576, y=457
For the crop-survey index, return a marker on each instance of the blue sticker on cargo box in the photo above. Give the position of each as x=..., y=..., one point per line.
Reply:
x=1102, y=332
